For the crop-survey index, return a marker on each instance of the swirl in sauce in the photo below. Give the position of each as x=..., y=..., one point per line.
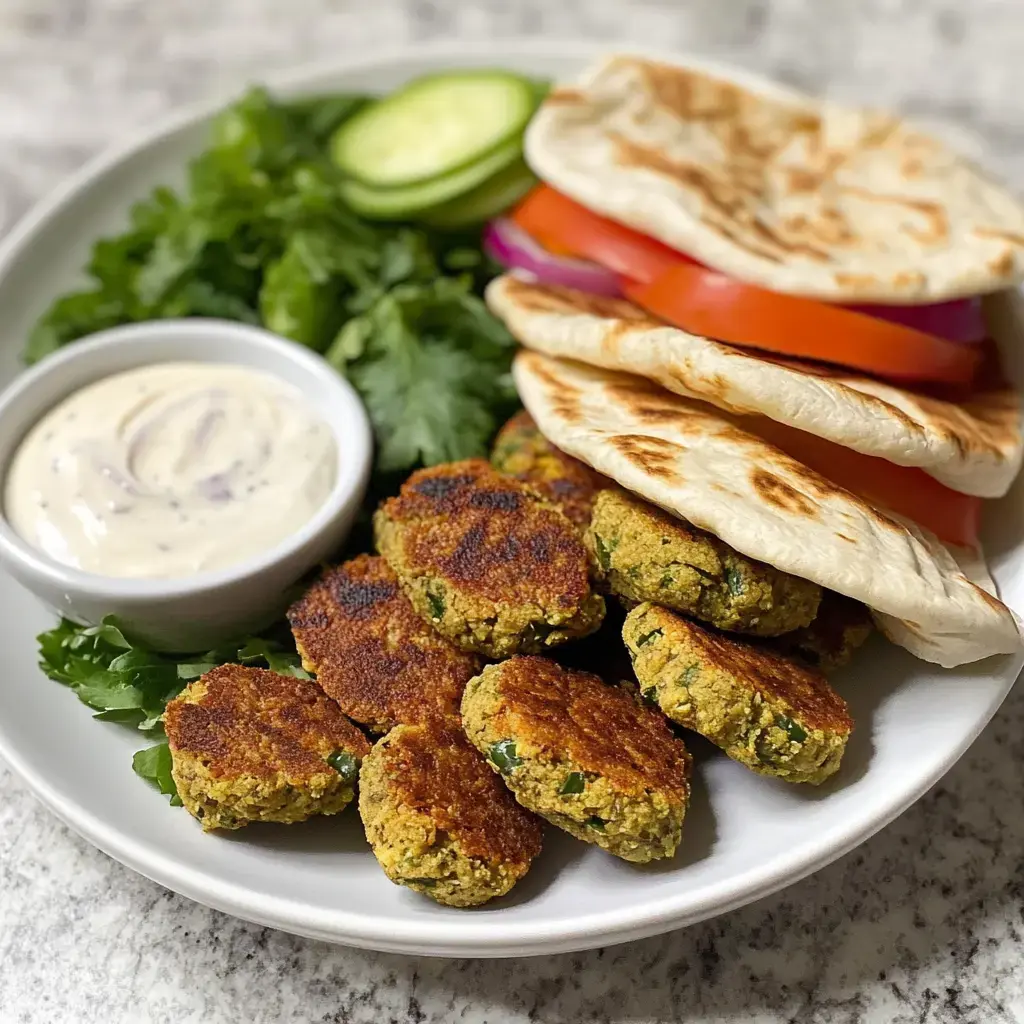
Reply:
x=170, y=470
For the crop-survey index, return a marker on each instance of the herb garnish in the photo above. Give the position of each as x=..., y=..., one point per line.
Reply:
x=260, y=234
x=122, y=680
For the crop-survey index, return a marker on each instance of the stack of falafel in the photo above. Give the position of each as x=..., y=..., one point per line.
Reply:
x=436, y=646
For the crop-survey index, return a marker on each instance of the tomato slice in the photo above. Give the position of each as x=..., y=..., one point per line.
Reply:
x=681, y=291
x=705, y=302
x=566, y=228
x=909, y=492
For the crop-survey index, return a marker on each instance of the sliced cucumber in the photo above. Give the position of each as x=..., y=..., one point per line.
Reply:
x=432, y=127
x=494, y=196
x=401, y=203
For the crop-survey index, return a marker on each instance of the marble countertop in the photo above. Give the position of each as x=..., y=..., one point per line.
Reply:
x=922, y=924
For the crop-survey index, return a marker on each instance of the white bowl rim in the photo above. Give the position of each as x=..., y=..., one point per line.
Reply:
x=467, y=935
x=354, y=454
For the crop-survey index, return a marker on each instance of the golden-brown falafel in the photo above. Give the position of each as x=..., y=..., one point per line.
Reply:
x=841, y=626
x=642, y=553
x=585, y=755
x=522, y=451
x=486, y=561
x=769, y=712
x=251, y=745
x=439, y=821
x=372, y=653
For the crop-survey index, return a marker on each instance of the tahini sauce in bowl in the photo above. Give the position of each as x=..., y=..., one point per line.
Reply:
x=169, y=470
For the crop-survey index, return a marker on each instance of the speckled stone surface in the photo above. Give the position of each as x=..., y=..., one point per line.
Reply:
x=923, y=924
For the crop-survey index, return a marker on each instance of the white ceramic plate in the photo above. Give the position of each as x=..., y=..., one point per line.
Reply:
x=744, y=837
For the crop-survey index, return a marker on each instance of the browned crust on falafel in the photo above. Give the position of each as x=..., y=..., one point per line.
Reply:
x=434, y=770
x=601, y=728
x=487, y=561
x=244, y=721
x=786, y=681
x=372, y=653
x=488, y=535
x=522, y=451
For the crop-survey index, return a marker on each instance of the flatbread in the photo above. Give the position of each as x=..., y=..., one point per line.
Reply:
x=776, y=188
x=975, y=447
x=697, y=463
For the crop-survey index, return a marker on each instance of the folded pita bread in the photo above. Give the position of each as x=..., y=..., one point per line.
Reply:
x=697, y=463
x=776, y=188
x=975, y=447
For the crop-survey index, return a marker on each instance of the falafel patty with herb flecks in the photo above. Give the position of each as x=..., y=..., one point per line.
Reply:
x=488, y=562
x=585, y=755
x=372, y=653
x=769, y=712
x=251, y=745
x=641, y=553
x=438, y=820
x=522, y=451
x=828, y=643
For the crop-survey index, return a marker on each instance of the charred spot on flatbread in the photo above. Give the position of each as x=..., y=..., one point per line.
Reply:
x=651, y=454
x=551, y=298
x=777, y=492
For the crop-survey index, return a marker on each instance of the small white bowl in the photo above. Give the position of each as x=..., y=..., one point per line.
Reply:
x=197, y=612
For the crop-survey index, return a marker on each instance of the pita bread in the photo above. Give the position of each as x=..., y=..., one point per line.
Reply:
x=975, y=447
x=697, y=463
x=778, y=189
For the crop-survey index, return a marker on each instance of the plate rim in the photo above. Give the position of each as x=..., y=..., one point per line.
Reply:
x=457, y=937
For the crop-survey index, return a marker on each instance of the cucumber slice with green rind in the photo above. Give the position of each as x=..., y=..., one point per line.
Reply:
x=494, y=196
x=432, y=127
x=402, y=203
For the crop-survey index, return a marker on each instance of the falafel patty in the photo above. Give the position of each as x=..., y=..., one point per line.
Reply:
x=840, y=627
x=765, y=710
x=583, y=754
x=438, y=820
x=522, y=451
x=372, y=653
x=486, y=561
x=251, y=745
x=644, y=554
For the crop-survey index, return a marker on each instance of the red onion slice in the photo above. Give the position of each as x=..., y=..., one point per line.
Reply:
x=957, y=320
x=507, y=243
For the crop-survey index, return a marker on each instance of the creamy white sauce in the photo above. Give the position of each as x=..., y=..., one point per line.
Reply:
x=170, y=470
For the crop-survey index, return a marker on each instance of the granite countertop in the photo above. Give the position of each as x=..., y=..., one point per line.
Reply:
x=922, y=924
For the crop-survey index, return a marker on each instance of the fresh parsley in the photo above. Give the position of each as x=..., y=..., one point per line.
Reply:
x=794, y=731
x=122, y=680
x=574, y=783
x=344, y=764
x=503, y=756
x=154, y=764
x=260, y=234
